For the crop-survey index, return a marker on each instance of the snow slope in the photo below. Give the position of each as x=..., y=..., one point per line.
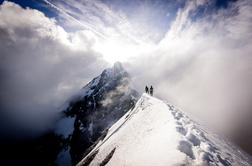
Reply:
x=96, y=107
x=156, y=133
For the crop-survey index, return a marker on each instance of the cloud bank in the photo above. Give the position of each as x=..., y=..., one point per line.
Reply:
x=41, y=66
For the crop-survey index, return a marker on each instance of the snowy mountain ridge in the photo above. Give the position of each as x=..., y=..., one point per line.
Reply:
x=156, y=133
x=97, y=106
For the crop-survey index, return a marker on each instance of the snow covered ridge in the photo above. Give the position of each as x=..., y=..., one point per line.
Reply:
x=97, y=106
x=156, y=133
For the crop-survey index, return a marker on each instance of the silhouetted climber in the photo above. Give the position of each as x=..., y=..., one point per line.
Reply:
x=151, y=90
x=146, y=89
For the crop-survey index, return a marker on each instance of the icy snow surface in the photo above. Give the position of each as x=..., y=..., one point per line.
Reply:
x=156, y=133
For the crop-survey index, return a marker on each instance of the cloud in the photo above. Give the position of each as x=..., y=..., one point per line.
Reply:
x=131, y=21
x=41, y=66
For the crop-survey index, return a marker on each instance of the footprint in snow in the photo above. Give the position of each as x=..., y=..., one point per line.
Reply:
x=181, y=130
x=186, y=148
x=193, y=139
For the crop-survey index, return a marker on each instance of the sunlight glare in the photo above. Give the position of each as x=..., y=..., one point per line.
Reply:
x=114, y=50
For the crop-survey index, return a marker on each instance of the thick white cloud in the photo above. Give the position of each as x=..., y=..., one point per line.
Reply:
x=41, y=65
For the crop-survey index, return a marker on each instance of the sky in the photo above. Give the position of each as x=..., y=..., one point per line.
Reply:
x=196, y=54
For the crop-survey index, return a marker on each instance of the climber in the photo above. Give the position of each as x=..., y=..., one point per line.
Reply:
x=146, y=89
x=151, y=90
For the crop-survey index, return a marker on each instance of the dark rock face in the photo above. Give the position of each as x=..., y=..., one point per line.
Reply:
x=98, y=105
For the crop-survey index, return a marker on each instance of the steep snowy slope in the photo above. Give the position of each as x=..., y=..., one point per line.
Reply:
x=95, y=108
x=156, y=133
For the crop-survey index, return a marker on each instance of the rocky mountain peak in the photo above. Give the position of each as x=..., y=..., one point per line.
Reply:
x=97, y=106
x=116, y=70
